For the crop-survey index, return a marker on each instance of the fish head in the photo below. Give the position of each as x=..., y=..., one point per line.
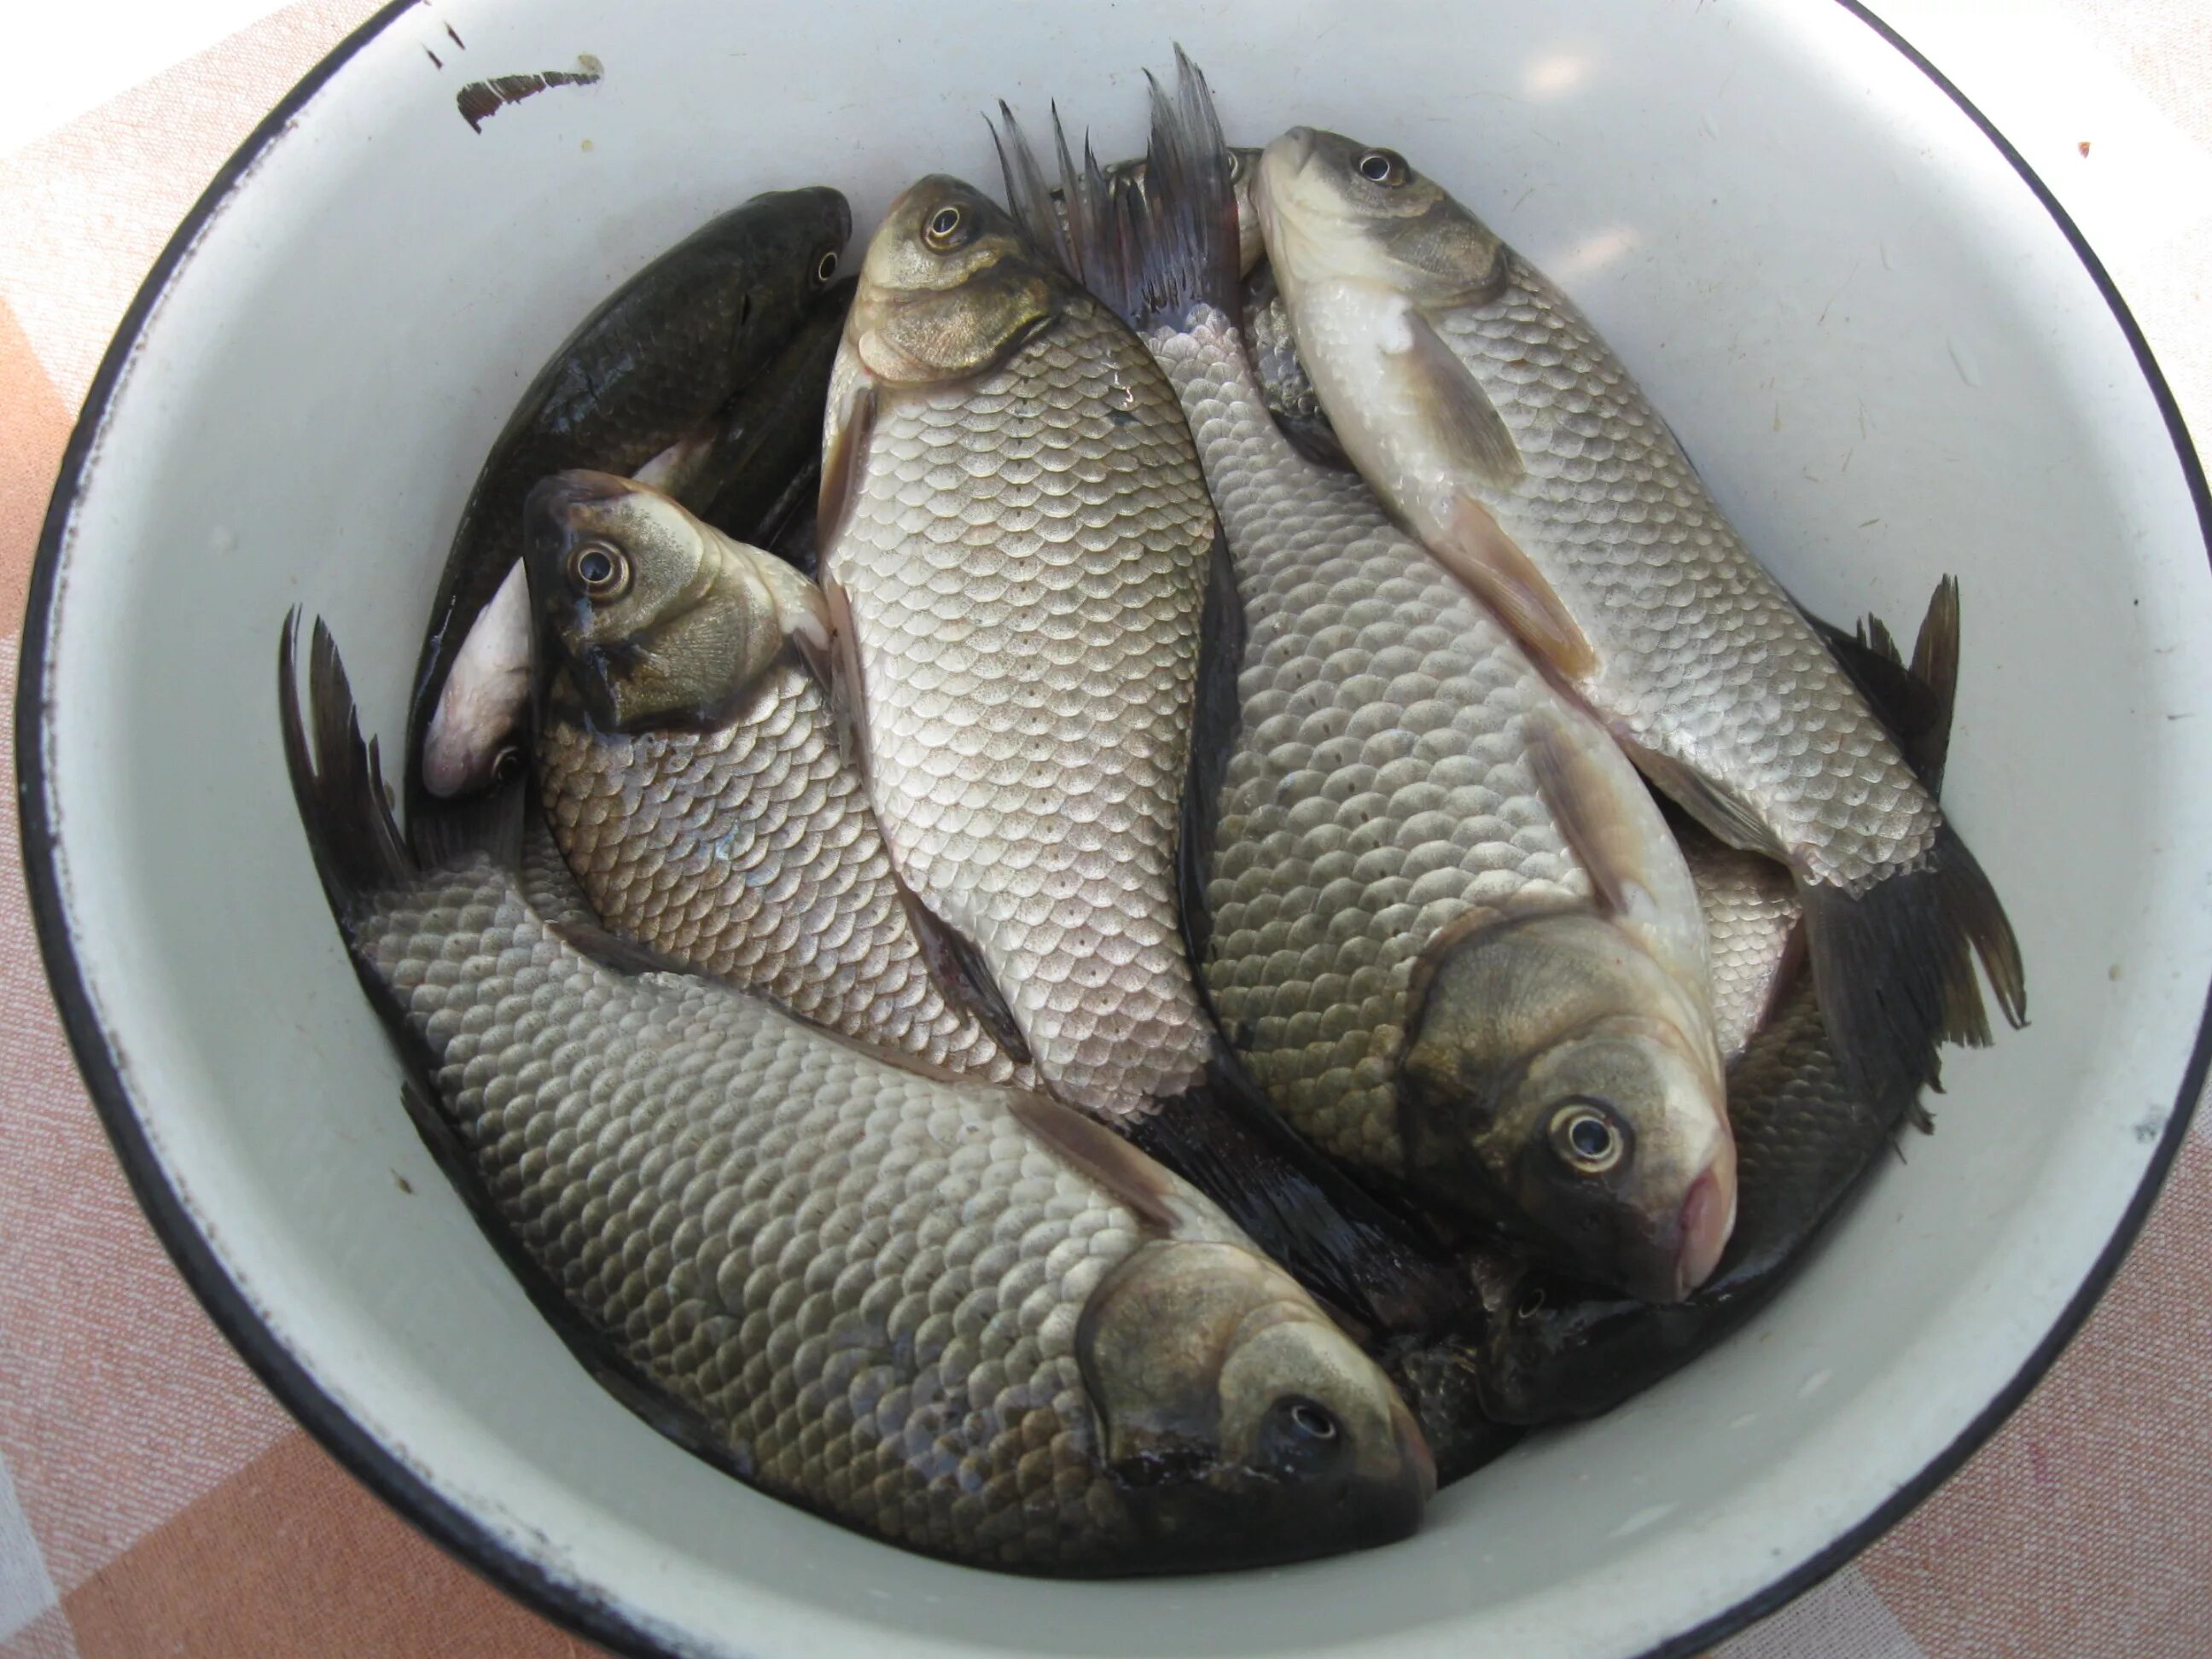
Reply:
x=1335, y=209
x=951, y=286
x=647, y=616
x=1557, y=1082
x=1242, y=1426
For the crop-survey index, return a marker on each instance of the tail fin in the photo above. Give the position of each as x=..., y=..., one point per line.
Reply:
x=338, y=781
x=1225, y=1137
x=1151, y=248
x=1894, y=967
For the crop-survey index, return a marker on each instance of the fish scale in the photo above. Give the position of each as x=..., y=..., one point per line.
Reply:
x=866, y=1282
x=1026, y=562
x=1379, y=787
x=1751, y=912
x=1701, y=656
x=748, y=851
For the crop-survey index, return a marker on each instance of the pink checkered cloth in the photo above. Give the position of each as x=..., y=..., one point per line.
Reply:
x=155, y=1499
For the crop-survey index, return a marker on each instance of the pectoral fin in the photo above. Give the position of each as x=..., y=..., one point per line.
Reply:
x=849, y=423
x=1585, y=798
x=1101, y=1156
x=961, y=973
x=1713, y=804
x=1476, y=548
x=1458, y=412
x=840, y=676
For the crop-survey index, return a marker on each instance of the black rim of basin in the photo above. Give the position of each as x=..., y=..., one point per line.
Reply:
x=389, y=1474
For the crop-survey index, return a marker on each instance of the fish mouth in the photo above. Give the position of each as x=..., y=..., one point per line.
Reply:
x=1293, y=149
x=1708, y=1216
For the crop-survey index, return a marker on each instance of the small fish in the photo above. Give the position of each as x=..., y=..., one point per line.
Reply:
x=639, y=378
x=687, y=764
x=957, y=1318
x=1805, y=1135
x=1442, y=918
x=1020, y=562
x=1494, y=422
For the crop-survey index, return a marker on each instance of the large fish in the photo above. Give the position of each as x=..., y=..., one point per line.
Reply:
x=958, y=1318
x=1805, y=1135
x=1020, y=562
x=1449, y=928
x=641, y=376
x=1491, y=418
x=688, y=768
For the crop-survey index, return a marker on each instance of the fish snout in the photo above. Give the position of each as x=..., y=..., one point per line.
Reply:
x=1707, y=1219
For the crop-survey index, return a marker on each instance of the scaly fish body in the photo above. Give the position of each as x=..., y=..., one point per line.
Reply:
x=1414, y=832
x=645, y=371
x=1752, y=917
x=1497, y=424
x=704, y=807
x=1023, y=549
x=956, y=1318
x=1805, y=1135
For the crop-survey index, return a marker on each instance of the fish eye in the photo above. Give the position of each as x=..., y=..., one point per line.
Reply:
x=943, y=231
x=1383, y=167
x=1299, y=1436
x=826, y=267
x=598, y=572
x=1586, y=1137
x=506, y=764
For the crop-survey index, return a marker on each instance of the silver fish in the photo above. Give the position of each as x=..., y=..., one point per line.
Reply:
x=688, y=763
x=1017, y=551
x=1491, y=418
x=960, y=1319
x=1449, y=928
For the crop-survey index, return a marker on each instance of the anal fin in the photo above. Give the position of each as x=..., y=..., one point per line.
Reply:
x=961, y=973
x=1476, y=548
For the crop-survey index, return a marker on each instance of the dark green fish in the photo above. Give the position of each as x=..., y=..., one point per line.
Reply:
x=647, y=370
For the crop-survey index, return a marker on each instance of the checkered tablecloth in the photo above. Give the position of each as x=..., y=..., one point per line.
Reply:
x=153, y=1499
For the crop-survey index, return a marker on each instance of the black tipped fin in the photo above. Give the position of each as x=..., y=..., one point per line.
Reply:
x=1218, y=716
x=1451, y=403
x=961, y=974
x=1935, y=666
x=1894, y=967
x=1225, y=1137
x=1152, y=249
x=336, y=779
x=1914, y=703
x=1100, y=1156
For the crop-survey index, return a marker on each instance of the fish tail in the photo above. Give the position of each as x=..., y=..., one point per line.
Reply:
x=1893, y=966
x=1153, y=251
x=337, y=781
x=1225, y=1137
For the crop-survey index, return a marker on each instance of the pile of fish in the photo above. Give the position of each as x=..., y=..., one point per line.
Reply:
x=1101, y=903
